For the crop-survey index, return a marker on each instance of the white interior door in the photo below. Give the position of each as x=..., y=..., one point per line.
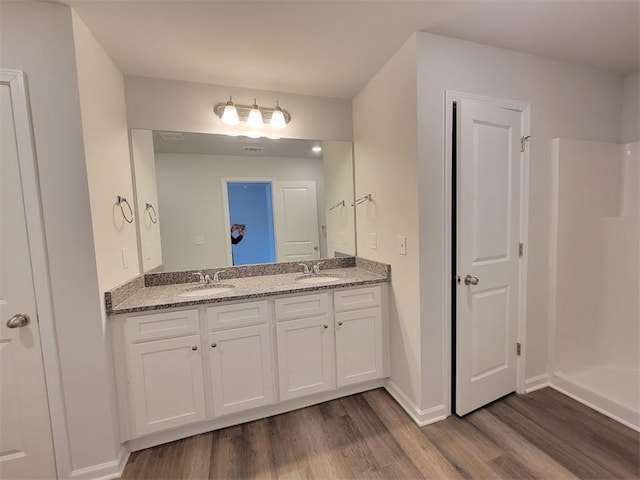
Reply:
x=488, y=226
x=296, y=212
x=26, y=446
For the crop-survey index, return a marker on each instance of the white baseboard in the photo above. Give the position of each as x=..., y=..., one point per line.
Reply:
x=624, y=415
x=104, y=471
x=532, y=384
x=419, y=416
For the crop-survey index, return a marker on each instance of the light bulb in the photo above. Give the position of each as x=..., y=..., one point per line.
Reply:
x=255, y=117
x=230, y=114
x=317, y=149
x=277, y=118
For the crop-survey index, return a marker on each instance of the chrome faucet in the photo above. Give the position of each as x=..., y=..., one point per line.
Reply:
x=306, y=270
x=201, y=277
x=216, y=276
x=316, y=267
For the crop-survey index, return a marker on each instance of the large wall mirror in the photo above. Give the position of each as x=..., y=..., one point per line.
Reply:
x=206, y=201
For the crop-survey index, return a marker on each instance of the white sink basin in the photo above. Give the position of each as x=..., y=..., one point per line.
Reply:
x=205, y=290
x=320, y=278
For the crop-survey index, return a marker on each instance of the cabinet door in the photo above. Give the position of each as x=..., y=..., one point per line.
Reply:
x=241, y=371
x=305, y=356
x=166, y=384
x=358, y=346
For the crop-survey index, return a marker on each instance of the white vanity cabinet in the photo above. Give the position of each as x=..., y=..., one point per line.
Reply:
x=359, y=335
x=306, y=358
x=186, y=371
x=164, y=375
x=239, y=358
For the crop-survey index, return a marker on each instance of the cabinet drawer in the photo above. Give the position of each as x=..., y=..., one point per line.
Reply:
x=238, y=315
x=356, y=299
x=141, y=328
x=302, y=306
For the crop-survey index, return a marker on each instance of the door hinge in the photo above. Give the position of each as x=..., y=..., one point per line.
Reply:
x=518, y=349
x=521, y=249
x=523, y=141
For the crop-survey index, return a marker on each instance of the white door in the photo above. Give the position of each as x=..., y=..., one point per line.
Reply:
x=305, y=356
x=26, y=446
x=488, y=226
x=167, y=386
x=296, y=212
x=358, y=346
x=240, y=361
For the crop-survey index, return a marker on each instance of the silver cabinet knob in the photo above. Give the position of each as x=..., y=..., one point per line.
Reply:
x=316, y=248
x=339, y=324
x=325, y=326
x=194, y=348
x=470, y=280
x=18, y=320
x=214, y=345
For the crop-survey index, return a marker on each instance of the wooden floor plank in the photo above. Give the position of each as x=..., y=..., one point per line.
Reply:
x=565, y=424
x=542, y=435
x=534, y=460
x=579, y=463
x=603, y=445
x=425, y=456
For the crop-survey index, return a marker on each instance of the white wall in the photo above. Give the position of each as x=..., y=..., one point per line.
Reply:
x=337, y=159
x=620, y=283
x=589, y=180
x=631, y=108
x=385, y=142
x=195, y=181
x=106, y=145
x=156, y=104
x=144, y=168
x=630, y=197
x=37, y=37
x=566, y=100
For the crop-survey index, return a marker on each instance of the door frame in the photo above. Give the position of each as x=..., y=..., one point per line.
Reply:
x=25, y=143
x=227, y=218
x=524, y=108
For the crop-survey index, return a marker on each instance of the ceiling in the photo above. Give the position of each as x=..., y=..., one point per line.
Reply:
x=332, y=48
x=210, y=144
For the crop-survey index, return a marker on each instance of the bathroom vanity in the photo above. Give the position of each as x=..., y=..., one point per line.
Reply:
x=246, y=348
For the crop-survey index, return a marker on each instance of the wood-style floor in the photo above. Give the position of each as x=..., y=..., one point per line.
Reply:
x=541, y=435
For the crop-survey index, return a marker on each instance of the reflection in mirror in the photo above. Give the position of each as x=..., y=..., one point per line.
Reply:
x=206, y=201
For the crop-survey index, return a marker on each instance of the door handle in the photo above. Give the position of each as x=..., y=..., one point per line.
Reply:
x=470, y=280
x=18, y=320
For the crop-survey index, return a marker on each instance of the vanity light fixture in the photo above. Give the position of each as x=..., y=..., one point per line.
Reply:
x=230, y=114
x=255, y=116
x=277, y=118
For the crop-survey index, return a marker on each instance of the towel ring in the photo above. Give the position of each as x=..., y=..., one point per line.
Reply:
x=120, y=200
x=153, y=216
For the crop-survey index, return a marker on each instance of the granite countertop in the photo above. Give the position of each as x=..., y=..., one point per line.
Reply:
x=168, y=296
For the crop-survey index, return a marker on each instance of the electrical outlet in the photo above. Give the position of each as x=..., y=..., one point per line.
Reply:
x=125, y=258
x=373, y=241
x=402, y=245
x=198, y=240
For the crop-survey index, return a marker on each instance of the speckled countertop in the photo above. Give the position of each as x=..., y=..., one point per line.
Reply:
x=168, y=296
